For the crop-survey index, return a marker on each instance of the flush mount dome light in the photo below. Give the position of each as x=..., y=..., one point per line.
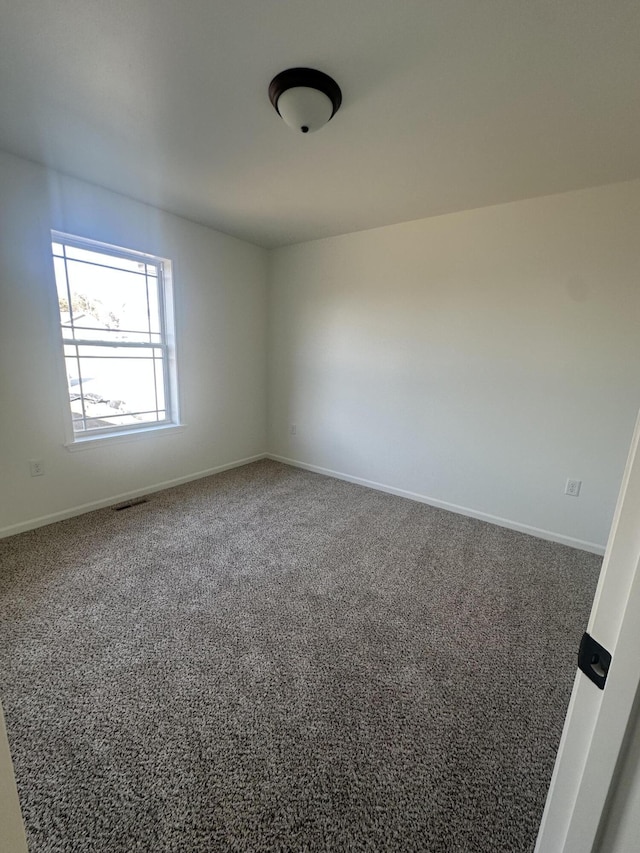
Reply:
x=305, y=98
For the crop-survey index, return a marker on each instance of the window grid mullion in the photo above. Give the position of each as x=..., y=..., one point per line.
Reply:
x=158, y=349
x=69, y=241
x=128, y=429
x=112, y=331
x=132, y=414
x=99, y=342
x=105, y=266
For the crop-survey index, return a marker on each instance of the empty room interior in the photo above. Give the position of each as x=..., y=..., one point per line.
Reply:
x=319, y=349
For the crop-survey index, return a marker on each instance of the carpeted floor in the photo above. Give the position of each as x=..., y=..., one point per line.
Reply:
x=272, y=660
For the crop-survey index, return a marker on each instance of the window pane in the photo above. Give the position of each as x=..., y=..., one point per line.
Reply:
x=75, y=391
x=154, y=305
x=117, y=262
x=120, y=381
x=91, y=352
x=83, y=333
x=159, y=382
x=107, y=298
x=121, y=421
x=63, y=295
x=71, y=362
x=120, y=389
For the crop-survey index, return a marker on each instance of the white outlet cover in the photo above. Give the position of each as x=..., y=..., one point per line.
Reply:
x=573, y=488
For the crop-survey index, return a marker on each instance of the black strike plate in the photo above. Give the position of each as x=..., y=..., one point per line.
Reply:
x=594, y=660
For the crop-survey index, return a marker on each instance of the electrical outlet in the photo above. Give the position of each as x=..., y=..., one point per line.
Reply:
x=293, y=429
x=36, y=466
x=573, y=488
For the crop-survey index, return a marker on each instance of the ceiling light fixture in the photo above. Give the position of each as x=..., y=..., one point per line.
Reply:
x=305, y=98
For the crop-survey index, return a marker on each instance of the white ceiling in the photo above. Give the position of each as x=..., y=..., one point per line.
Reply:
x=447, y=104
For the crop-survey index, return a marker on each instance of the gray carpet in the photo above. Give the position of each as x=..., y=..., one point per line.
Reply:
x=271, y=660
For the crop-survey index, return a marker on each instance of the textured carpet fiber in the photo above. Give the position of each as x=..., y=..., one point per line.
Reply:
x=271, y=660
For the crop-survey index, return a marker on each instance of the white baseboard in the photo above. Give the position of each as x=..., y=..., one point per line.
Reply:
x=32, y=523
x=549, y=535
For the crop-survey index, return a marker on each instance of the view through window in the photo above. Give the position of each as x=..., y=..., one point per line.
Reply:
x=113, y=315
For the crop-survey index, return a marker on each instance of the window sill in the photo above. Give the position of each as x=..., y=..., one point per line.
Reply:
x=91, y=442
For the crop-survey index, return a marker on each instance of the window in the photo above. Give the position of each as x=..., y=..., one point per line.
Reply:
x=116, y=317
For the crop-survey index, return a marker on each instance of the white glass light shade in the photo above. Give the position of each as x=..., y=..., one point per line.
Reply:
x=305, y=109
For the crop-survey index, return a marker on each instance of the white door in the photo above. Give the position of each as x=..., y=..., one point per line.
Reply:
x=12, y=837
x=595, y=740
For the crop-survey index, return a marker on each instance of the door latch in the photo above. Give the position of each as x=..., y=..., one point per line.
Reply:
x=594, y=660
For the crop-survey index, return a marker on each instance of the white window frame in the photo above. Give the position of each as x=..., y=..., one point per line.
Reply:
x=80, y=440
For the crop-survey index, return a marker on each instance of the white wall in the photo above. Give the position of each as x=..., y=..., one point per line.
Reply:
x=220, y=288
x=477, y=359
